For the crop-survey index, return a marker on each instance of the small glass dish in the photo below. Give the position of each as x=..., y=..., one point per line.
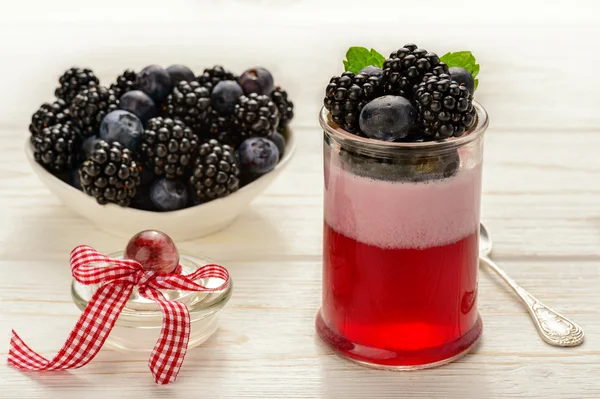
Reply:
x=139, y=324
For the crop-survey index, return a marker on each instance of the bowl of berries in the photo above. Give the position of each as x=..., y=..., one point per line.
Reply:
x=163, y=149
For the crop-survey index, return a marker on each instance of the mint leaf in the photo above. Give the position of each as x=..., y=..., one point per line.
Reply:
x=463, y=59
x=359, y=57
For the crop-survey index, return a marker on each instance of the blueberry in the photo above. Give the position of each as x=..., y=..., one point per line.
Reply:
x=388, y=118
x=463, y=78
x=139, y=103
x=258, y=156
x=279, y=141
x=88, y=146
x=225, y=96
x=257, y=80
x=179, y=73
x=74, y=179
x=372, y=70
x=169, y=195
x=122, y=126
x=155, y=82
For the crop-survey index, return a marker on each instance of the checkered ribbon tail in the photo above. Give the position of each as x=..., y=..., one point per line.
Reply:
x=98, y=318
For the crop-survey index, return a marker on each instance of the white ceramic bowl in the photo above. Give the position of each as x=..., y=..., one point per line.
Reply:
x=181, y=225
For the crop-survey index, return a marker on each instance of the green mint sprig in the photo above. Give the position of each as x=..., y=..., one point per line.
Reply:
x=463, y=59
x=359, y=57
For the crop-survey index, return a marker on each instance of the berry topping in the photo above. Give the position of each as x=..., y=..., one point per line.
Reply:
x=346, y=95
x=388, y=118
x=154, y=250
x=168, y=146
x=110, y=174
x=257, y=80
x=446, y=108
x=155, y=82
x=138, y=103
x=216, y=173
x=463, y=78
x=225, y=96
x=169, y=195
x=122, y=126
x=179, y=73
x=73, y=82
x=89, y=108
x=258, y=156
x=372, y=70
x=406, y=67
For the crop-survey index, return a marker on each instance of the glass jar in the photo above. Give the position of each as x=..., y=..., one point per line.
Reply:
x=140, y=321
x=400, y=247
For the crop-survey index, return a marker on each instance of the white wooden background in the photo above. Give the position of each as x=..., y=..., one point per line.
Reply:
x=539, y=82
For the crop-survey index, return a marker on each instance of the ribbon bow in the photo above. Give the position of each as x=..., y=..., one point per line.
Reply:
x=99, y=317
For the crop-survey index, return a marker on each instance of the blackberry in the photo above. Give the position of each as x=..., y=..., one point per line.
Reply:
x=406, y=68
x=73, y=82
x=49, y=115
x=56, y=147
x=446, y=108
x=125, y=82
x=168, y=145
x=346, y=95
x=254, y=115
x=285, y=107
x=216, y=172
x=190, y=102
x=110, y=174
x=220, y=127
x=90, y=106
x=211, y=76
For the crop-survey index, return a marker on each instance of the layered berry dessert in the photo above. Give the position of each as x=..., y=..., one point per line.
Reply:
x=402, y=161
x=162, y=139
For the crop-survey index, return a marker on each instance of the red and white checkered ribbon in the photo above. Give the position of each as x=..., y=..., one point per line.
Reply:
x=98, y=318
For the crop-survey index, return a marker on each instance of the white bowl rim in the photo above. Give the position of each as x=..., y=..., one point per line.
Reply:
x=290, y=149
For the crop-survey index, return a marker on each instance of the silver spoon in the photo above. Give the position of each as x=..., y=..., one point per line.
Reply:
x=554, y=328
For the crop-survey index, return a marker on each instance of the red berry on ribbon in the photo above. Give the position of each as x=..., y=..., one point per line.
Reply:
x=154, y=250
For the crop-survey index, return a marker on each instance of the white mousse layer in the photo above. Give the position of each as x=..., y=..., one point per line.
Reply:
x=402, y=215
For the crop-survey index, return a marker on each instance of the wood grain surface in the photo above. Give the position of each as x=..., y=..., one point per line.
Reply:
x=541, y=199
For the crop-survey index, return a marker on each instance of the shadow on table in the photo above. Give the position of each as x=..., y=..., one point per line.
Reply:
x=342, y=378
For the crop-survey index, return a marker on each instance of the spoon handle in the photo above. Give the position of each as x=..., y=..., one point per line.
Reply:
x=554, y=328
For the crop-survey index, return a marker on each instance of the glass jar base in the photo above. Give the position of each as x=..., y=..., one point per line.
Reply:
x=126, y=339
x=398, y=360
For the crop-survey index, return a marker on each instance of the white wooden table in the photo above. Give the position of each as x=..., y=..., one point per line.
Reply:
x=541, y=200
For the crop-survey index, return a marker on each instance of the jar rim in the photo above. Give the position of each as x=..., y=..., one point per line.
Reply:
x=346, y=138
